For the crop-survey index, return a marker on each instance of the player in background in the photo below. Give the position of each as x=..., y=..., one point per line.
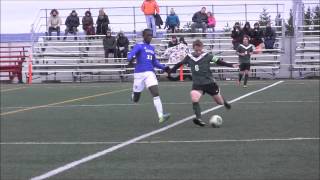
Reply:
x=144, y=74
x=203, y=81
x=244, y=51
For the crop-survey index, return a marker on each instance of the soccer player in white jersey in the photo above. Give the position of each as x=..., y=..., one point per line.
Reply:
x=144, y=74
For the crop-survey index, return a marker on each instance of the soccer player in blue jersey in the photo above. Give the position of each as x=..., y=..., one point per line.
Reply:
x=144, y=74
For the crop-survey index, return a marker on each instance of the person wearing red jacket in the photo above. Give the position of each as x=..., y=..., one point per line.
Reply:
x=150, y=8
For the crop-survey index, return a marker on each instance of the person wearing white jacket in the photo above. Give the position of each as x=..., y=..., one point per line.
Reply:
x=54, y=23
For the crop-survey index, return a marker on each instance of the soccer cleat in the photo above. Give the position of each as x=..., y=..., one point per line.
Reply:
x=199, y=122
x=165, y=117
x=245, y=86
x=227, y=105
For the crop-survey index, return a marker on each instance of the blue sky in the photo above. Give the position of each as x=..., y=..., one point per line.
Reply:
x=17, y=16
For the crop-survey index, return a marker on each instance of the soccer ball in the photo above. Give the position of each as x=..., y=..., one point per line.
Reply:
x=216, y=121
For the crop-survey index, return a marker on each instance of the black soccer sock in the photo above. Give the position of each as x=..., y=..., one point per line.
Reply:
x=245, y=79
x=196, y=109
x=240, y=77
x=226, y=103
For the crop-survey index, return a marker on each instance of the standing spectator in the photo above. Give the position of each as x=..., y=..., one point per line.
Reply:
x=122, y=45
x=211, y=21
x=246, y=30
x=109, y=44
x=87, y=24
x=200, y=20
x=102, y=23
x=173, y=42
x=172, y=21
x=72, y=23
x=54, y=23
x=150, y=8
x=269, y=37
x=236, y=35
x=257, y=34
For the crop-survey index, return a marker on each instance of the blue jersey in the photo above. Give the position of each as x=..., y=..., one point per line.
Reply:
x=146, y=58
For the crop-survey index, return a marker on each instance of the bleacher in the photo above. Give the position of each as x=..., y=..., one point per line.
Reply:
x=307, y=56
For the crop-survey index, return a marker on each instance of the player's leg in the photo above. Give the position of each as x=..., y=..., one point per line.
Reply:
x=152, y=84
x=214, y=91
x=246, y=76
x=195, y=98
x=138, y=86
x=240, y=74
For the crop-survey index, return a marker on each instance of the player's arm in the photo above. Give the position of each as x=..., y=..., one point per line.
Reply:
x=179, y=64
x=220, y=62
x=238, y=52
x=157, y=64
x=132, y=54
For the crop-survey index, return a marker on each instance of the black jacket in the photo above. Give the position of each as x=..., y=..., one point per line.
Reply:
x=72, y=21
x=103, y=20
x=237, y=35
x=256, y=36
x=199, y=17
x=269, y=34
x=123, y=42
x=158, y=20
x=87, y=20
x=109, y=42
x=247, y=30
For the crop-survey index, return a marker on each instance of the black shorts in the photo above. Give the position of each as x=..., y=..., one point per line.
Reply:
x=212, y=89
x=244, y=66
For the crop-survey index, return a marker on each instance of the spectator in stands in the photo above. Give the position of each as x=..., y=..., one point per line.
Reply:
x=172, y=21
x=236, y=35
x=269, y=37
x=278, y=20
x=211, y=21
x=72, y=23
x=102, y=23
x=109, y=44
x=246, y=30
x=177, y=53
x=173, y=42
x=181, y=40
x=150, y=8
x=256, y=36
x=87, y=24
x=122, y=45
x=54, y=23
x=200, y=20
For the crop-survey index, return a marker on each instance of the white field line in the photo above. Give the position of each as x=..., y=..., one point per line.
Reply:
x=169, y=103
x=164, y=142
x=136, y=139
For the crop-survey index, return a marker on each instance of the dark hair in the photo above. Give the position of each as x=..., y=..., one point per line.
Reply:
x=246, y=36
x=197, y=43
x=54, y=10
x=145, y=31
x=181, y=39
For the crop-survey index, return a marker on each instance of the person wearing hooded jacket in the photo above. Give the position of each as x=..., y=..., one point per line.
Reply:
x=72, y=23
x=87, y=24
x=102, y=23
x=172, y=21
x=269, y=37
x=109, y=44
x=257, y=34
x=237, y=35
x=122, y=45
x=246, y=30
x=54, y=23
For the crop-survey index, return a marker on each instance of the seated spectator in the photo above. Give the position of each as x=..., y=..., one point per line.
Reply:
x=173, y=42
x=54, y=23
x=211, y=21
x=256, y=36
x=269, y=37
x=122, y=45
x=102, y=23
x=72, y=23
x=200, y=20
x=87, y=24
x=236, y=35
x=178, y=52
x=172, y=21
x=181, y=40
x=109, y=44
x=246, y=30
